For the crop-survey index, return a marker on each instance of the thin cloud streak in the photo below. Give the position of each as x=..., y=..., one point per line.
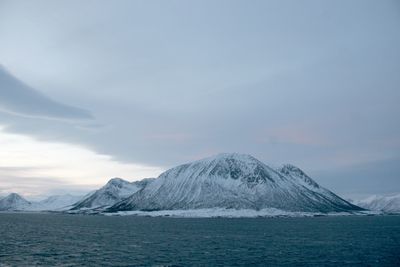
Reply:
x=20, y=99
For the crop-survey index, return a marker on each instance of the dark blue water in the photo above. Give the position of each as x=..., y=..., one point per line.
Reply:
x=69, y=240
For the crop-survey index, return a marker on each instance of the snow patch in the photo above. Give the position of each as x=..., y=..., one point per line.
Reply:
x=233, y=213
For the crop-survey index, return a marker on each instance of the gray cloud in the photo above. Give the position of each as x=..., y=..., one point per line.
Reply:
x=312, y=83
x=18, y=98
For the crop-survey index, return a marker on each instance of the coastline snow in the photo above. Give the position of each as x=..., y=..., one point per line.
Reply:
x=233, y=213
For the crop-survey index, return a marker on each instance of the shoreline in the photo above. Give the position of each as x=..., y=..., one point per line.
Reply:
x=212, y=213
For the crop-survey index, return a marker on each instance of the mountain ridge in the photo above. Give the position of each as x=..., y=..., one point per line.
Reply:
x=238, y=181
x=115, y=190
x=14, y=202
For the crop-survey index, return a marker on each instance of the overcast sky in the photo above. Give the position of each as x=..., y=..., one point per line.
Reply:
x=95, y=89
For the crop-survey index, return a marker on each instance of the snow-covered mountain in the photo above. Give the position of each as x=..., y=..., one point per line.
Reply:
x=58, y=202
x=381, y=203
x=114, y=191
x=234, y=181
x=14, y=202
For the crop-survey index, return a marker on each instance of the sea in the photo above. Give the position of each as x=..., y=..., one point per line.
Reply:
x=45, y=239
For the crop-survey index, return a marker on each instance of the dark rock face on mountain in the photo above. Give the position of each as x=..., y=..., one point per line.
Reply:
x=234, y=181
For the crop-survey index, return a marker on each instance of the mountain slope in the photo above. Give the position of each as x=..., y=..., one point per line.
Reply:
x=233, y=181
x=381, y=203
x=14, y=202
x=114, y=191
x=58, y=202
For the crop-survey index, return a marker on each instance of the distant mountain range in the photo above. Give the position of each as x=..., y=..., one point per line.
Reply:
x=389, y=203
x=15, y=202
x=222, y=182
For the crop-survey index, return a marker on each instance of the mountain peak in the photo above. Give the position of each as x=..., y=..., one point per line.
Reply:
x=231, y=156
x=289, y=168
x=13, y=202
x=115, y=190
x=293, y=171
x=228, y=166
x=14, y=196
x=116, y=181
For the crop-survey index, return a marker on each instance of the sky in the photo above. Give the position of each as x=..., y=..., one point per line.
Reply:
x=91, y=90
